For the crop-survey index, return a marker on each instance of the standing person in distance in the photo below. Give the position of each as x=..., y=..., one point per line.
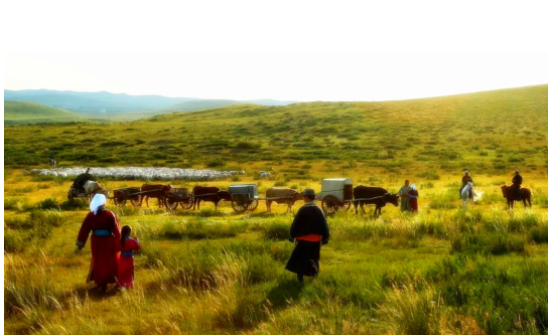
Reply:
x=405, y=199
x=309, y=230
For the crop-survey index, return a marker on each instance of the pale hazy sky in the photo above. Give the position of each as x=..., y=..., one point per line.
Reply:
x=284, y=76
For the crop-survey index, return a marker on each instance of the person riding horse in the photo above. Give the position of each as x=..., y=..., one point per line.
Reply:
x=516, y=184
x=465, y=180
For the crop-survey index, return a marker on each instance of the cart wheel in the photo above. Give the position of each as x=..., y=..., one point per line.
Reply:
x=239, y=206
x=171, y=203
x=119, y=201
x=188, y=203
x=330, y=204
x=135, y=201
x=252, y=205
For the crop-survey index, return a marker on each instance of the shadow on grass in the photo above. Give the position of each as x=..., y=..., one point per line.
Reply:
x=285, y=293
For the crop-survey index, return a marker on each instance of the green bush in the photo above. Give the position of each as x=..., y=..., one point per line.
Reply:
x=12, y=203
x=277, y=230
x=539, y=234
x=49, y=203
x=13, y=242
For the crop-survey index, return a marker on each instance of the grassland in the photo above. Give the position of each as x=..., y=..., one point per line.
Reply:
x=17, y=112
x=444, y=271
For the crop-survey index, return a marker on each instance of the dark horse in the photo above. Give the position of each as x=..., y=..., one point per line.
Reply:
x=510, y=196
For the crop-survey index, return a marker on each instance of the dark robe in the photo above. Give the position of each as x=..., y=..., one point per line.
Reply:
x=413, y=194
x=105, y=248
x=310, y=220
x=516, y=185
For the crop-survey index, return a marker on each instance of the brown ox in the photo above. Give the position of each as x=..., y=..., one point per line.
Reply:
x=157, y=191
x=510, y=196
x=283, y=196
x=209, y=193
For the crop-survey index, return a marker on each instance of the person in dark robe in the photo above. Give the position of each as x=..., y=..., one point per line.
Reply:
x=465, y=180
x=309, y=230
x=516, y=184
x=105, y=242
x=413, y=198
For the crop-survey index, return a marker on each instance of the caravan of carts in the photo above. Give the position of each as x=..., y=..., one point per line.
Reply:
x=336, y=194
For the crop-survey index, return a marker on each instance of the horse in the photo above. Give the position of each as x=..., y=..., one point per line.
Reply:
x=53, y=163
x=467, y=190
x=510, y=196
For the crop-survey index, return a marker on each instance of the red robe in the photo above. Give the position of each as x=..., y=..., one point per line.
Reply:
x=126, y=263
x=105, y=249
x=413, y=195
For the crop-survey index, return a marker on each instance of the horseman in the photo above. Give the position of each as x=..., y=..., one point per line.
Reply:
x=465, y=180
x=516, y=184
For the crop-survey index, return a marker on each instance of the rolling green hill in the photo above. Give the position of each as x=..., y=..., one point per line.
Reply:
x=31, y=112
x=490, y=131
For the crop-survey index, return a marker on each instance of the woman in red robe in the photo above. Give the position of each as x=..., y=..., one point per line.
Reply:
x=105, y=242
x=413, y=196
x=126, y=263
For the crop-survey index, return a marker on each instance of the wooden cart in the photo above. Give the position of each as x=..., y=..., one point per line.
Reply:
x=180, y=196
x=244, y=197
x=335, y=194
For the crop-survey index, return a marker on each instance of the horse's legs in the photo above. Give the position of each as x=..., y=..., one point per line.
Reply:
x=268, y=205
x=363, y=208
x=355, y=206
x=147, y=201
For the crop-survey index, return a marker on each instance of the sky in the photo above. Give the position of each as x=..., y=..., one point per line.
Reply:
x=283, y=76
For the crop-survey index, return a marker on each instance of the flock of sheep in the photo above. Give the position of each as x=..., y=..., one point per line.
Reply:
x=150, y=173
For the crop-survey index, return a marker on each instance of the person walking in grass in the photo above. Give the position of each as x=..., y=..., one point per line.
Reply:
x=413, y=198
x=126, y=264
x=405, y=198
x=309, y=230
x=105, y=242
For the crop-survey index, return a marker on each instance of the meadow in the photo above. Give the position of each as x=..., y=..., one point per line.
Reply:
x=445, y=270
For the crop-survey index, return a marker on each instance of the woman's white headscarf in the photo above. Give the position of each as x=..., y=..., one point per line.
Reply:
x=413, y=187
x=98, y=201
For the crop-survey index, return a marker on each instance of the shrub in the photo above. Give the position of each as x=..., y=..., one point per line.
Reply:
x=49, y=203
x=277, y=230
x=539, y=234
x=13, y=203
x=13, y=242
x=413, y=313
x=51, y=218
x=74, y=204
x=216, y=162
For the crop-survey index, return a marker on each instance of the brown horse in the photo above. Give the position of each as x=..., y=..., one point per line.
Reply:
x=155, y=191
x=510, y=196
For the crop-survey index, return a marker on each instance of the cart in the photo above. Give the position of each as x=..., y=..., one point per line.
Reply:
x=244, y=197
x=180, y=196
x=122, y=195
x=335, y=194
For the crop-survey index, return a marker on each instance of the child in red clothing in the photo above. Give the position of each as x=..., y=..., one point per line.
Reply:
x=126, y=263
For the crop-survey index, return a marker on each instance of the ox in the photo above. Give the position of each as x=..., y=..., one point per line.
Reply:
x=377, y=196
x=157, y=191
x=209, y=193
x=283, y=196
x=510, y=196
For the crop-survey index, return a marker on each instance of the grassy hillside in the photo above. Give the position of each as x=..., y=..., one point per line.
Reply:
x=445, y=270
x=489, y=132
x=32, y=112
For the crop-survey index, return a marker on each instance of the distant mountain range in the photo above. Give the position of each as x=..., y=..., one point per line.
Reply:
x=106, y=103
